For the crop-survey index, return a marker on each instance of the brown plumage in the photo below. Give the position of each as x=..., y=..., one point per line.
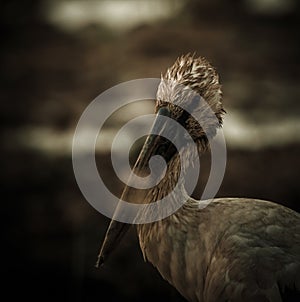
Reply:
x=234, y=249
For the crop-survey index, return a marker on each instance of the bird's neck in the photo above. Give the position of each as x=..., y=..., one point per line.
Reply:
x=176, y=185
x=169, y=195
x=180, y=172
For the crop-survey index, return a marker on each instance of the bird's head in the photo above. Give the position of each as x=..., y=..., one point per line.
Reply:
x=192, y=84
x=189, y=94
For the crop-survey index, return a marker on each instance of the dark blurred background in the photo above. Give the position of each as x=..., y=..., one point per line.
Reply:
x=57, y=56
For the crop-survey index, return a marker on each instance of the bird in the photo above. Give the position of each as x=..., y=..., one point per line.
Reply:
x=233, y=249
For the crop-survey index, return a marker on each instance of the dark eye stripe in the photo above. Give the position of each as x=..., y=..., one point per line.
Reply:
x=194, y=103
x=183, y=118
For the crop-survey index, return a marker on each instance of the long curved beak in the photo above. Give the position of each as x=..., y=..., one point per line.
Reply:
x=154, y=145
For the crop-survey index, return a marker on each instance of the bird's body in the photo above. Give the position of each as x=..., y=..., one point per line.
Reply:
x=229, y=249
x=234, y=249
